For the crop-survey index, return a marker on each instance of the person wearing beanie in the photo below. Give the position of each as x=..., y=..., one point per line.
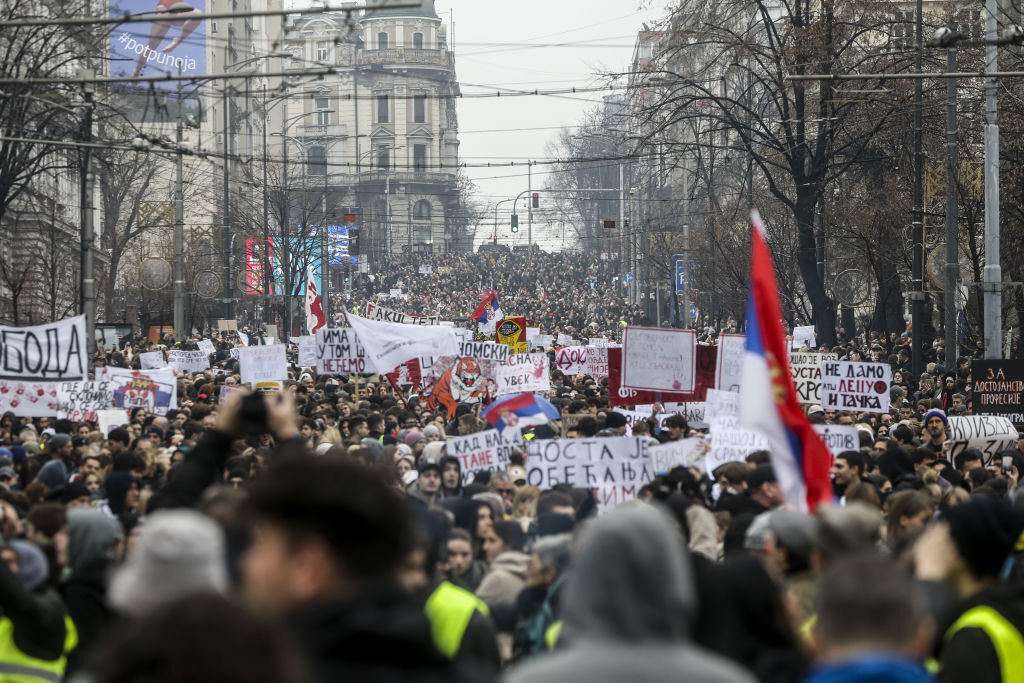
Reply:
x=38, y=633
x=431, y=433
x=935, y=424
x=616, y=421
x=416, y=441
x=966, y=550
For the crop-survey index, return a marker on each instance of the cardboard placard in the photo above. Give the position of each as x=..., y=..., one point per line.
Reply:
x=263, y=363
x=523, y=372
x=998, y=388
x=988, y=433
x=613, y=467
x=486, y=451
x=860, y=387
x=658, y=359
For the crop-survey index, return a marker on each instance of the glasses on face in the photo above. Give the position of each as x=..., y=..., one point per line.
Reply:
x=506, y=492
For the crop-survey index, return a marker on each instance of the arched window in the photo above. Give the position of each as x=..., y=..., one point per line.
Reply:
x=421, y=211
x=316, y=161
x=417, y=40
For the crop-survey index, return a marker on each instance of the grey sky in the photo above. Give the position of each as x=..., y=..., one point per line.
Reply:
x=480, y=61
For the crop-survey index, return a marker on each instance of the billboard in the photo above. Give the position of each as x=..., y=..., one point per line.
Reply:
x=159, y=48
x=303, y=252
x=339, y=238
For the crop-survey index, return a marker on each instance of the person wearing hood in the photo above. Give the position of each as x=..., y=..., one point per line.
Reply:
x=474, y=516
x=463, y=570
x=427, y=487
x=504, y=545
x=36, y=633
x=451, y=476
x=627, y=610
x=93, y=546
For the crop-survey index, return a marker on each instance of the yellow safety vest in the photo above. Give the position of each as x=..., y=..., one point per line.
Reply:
x=1006, y=639
x=551, y=635
x=18, y=667
x=449, y=609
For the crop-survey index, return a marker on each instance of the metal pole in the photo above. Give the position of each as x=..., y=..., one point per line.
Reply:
x=285, y=232
x=917, y=295
x=952, y=216
x=226, y=237
x=266, y=217
x=993, y=272
x=622, y=224
x=325, y=256
x=529, y=208
x=88, y=237
x=684, y=313
x=179, y=230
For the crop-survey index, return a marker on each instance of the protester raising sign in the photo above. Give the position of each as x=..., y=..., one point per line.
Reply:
x=659, y=359
x=683, y=453
x=512, y=332
x=29, y=399
x=307, y=351
x=338, y=352
x=154, y=390
x=379, y=313
x=524, y=372
x=613, y=467
x=258, y=363
x=498, y=353
x=990, y=434
x=621, y=396
x=806, y=371
x=388, y=345
x=226, y=390
x=803, y=335
x=54, y=351
x=487, y=451
x=597, y=361
x=571, y=360
x=188, y=361
x=152, y=360
x=998, y=388
x=206, y=346
x=79, y=401
x=729, y=441
x=848, y=385
x=839, y=438
x=729, y=370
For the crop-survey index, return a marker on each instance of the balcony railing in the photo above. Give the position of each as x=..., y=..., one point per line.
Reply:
x=404, y=55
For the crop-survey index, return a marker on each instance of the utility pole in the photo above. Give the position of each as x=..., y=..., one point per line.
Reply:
x=285, y=231
x=264, y=249
x=622, y=225
x=952, y=215
x=179, y=230
x=917, y=295
x=88, y=236
x=993, y=297
x=529, y=208
x=226, y=209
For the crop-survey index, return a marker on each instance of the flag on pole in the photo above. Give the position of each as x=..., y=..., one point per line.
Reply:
x=768, y=401
x=314, y=306
x=488, y=313
x=520, y=410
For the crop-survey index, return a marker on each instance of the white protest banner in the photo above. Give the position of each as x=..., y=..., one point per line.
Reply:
x=307, y=351
x=29, y=399
x=848, y=385
x=682, y=453
x=79, y=401
x=395, y=294
x=599, y=342
x=51, y=352
x=110, y=419
x=532, y=332
x=388, y=345
x=729, y=372
x=498, y=353
x=694, y=412
x=615, y=468
x=188, y=361
x=729, y=441
x=990, y=434
x=426, y=270
x=659, y=359
x=565, y=340
x=523, y=372
x=226, y=390
x=541, y=340
x=379, y=313
x=152, y=360
x=571, y=360
x=154, y=390
x=487, y=451
x=806, y=371
x=839, y=438
x=338, y=352
x=804, y=334
x=597, y=361
x=258, y=363
x=206, y=346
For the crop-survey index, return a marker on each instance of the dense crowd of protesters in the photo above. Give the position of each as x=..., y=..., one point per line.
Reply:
x=324, y=533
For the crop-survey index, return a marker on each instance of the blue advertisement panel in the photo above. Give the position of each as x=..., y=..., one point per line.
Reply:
x=338, y=242
x=303, y=251
x=159, y=48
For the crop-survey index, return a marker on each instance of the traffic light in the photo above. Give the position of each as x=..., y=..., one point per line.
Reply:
x=353, y=241
x=515, y=222
x=536, y=200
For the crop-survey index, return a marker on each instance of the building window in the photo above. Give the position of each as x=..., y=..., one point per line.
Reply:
x=419, y=157
x=382, y=40
x=383, y=110
x=323, y=50
x=419, y=109
x=903, y=30
x=421, y=211
x=417, y=40
x=383, y=158
x=322, y=105
x=316, y=161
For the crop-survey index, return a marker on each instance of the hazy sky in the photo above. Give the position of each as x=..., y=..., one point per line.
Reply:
x=489, y=54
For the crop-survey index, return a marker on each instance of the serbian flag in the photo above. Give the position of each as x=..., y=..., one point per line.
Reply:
x=520, y=410
x=768, y=401
x=314, y=306
x=488, y=313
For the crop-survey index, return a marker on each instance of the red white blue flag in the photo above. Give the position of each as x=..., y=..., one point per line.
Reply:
x=768, y=400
